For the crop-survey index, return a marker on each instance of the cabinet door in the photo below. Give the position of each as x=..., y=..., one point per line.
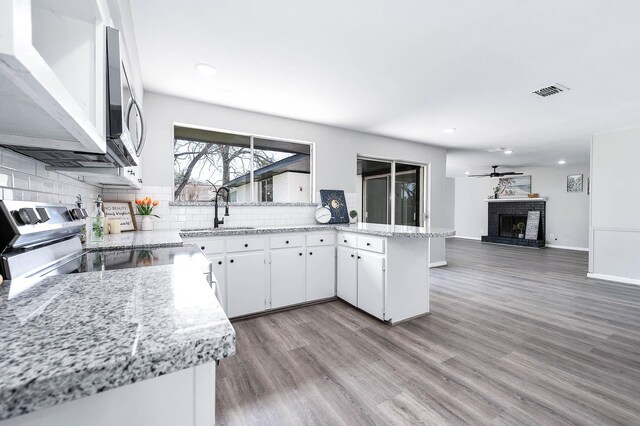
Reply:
x=321, y=272
x=246, y=283
x=219, y=267
x=347, y=275
x=287, y=277
x=371, y=283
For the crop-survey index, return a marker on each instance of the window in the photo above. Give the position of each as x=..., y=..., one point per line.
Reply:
x=266, y=190
x=253, y=168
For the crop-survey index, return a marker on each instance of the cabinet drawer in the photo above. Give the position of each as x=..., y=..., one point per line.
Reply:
x=207, y=245
x=321, y=240
x=245, y=244
x=371, y=243
x=347, y=239
x=286, y=240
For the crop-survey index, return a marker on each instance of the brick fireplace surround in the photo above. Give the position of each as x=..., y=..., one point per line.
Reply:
x=516, y=207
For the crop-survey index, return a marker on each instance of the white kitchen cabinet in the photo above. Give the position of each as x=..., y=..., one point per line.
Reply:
x=321, y=272
x=371, y=272
x=52, y=74
x=347, y=277
x=219, y=269
x=246, y=283
x=287, y=277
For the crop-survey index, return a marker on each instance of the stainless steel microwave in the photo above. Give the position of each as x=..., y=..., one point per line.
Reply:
x=125, y=123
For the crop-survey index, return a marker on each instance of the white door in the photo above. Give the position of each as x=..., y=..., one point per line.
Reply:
x=287, y=277
x=371, y=283
x=246, y=283
x=219, y=268
x=321, y=272
x=347, y=288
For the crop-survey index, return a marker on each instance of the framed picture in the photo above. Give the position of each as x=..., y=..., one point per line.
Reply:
x=574, y=183
x=122, y=210
x=515, y=187
x=335, y=200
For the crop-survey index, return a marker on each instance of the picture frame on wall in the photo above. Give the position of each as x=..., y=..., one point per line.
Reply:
x=574, y=183
x=122, y=210
x=514, y=187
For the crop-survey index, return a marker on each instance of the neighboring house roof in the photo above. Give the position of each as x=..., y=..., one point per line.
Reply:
x=298, y=163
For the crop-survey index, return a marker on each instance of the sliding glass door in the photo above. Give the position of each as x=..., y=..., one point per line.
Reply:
x=376, y=199
x=406, y=182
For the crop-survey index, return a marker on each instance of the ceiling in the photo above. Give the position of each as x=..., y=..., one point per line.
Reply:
x=410, y=69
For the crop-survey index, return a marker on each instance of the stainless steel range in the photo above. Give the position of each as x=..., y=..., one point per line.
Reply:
x=39, y=239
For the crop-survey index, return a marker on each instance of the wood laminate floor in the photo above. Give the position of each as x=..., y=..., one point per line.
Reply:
x=515, y=336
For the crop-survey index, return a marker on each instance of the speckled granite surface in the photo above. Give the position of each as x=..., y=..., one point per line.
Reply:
x=360, y=228
x=139, y=239
x=71, y=336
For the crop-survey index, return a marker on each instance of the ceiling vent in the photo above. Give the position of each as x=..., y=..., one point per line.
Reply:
x=554, y=89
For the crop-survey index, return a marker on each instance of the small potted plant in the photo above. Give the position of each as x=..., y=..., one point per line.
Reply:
x=520, y=227
x=495, y=192
x=353, y=216
x=145, y=209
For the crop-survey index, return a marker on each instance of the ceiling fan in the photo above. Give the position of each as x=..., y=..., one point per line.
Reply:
x=495, y=173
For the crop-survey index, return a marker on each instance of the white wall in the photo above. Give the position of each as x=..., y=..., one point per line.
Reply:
x=450, y=204
x=567, y=212
x=615, y=206
x=336, y=149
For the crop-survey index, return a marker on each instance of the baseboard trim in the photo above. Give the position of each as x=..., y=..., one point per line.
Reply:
x=438, y=264
x=466, y=238
x=614, y=278
x=567, y=247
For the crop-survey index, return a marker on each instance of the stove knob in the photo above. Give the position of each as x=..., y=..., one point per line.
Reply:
x=42, y=212
x=28, y=216
x=77, y=214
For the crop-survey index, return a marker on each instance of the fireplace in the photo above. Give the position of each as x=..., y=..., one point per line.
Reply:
x=509, y=225
x=504, y=216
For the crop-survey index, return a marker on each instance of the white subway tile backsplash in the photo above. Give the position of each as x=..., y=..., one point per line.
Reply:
x=26, y=179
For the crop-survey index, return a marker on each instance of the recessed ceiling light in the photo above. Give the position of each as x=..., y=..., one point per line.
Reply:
x=450, y=130
x=561, y=162
x=206, y=70
x=508, y=151
x=467, y=173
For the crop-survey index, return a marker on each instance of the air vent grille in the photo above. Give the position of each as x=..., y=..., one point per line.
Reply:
x=550, y=90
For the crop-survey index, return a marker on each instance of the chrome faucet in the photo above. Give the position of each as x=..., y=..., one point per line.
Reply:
x=216, y=221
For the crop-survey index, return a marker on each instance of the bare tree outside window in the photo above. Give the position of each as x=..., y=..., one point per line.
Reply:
x=206, y=160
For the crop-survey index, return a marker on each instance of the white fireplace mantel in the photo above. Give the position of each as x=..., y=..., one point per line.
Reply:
x=507, y=200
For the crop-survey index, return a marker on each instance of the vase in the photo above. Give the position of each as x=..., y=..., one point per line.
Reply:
x=353, y=219
x=147, y=223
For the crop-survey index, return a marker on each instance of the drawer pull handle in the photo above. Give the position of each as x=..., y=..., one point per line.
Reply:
x=359, y=257
x=345, y=241
x=202, y=248
x=219, y=262
x=287, y=242
x=322, y=240
x=300, y=254
x=352, y=255
x=231, y=261
x=246, y=245
x=310, y=253
x=368, y=244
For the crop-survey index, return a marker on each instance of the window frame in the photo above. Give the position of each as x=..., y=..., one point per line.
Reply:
x=252, y=182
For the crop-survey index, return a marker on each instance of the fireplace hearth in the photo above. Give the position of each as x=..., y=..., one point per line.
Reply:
x=504, y=217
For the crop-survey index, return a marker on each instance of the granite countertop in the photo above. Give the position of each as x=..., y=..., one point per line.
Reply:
x=361, y=228
x=70, y=336
x=125, y=240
